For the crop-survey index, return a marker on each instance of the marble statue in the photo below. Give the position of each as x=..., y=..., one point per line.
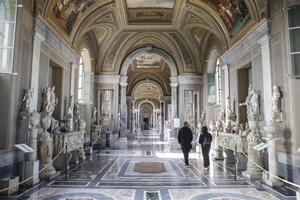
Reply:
x=276, y=104
x=276, y=99
x=252, y=103
x=27, y=100
x=253, y=171
x=81, y=123
x=70, y=106
x=212, y=126
x=76, y=110
x=53, y=100
x=45, y=148
x=32, y=132
x=47, y=100
x=95, y=111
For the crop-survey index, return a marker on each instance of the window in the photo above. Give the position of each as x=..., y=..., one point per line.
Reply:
x=81, y=81
x=218, y=82
x=294, y=39
x=8, y=13
x=214, y=85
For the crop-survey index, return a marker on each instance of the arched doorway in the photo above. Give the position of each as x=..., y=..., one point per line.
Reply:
x=157, y=67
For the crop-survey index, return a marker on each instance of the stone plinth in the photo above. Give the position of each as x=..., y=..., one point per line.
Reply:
x=11, y=183
x=32, y=170
x=121, y=143
x=271, y=131
x=75, y=141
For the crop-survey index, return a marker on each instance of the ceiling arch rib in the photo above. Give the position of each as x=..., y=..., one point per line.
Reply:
x=138, y=52
x=162, y=79
x=147, y=81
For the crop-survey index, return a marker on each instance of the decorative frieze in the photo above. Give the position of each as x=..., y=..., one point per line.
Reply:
x=54, y=41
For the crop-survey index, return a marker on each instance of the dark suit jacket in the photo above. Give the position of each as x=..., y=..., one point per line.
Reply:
x=185, y=137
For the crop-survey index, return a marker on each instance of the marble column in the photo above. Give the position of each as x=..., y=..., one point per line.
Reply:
x=161, y=120
x=123, y=107
x=35, y=70
x=267, y=80
x=133, y=116
x=174, y=85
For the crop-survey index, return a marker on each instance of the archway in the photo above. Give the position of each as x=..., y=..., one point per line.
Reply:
x=153, y=62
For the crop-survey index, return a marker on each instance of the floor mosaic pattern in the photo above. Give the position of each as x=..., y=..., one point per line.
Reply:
x=149, y=171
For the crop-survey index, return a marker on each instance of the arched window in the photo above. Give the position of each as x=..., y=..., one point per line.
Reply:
x=81, y=80
x=214, y=85
x=218, y=82
x=8, y=13
x=85, y=78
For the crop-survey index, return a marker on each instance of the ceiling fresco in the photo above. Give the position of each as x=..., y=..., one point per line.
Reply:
x=234, y=13
x=150, y=3
x=150, y=11
x=148, y=61
x=66, y=12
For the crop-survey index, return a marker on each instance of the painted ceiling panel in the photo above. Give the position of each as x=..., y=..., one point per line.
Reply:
x=150, y=3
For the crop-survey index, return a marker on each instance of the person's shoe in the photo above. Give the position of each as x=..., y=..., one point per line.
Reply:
x=186, y=165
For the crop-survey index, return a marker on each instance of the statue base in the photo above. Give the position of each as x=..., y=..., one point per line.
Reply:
x=174, y=145
x=252, y=174
x=47, y=173
x=218, y=153
x=121, y=143
x=298, y=194
x=31, y=169
x=271, y=181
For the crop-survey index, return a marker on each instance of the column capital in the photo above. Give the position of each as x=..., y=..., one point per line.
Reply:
x=264, y=39
x=174, y=85
x=38, y=36
x=123, y=81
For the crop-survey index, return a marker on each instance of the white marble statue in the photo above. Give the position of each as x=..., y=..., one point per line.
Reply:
x=252, y=103
x=70, y=106
x=53, y=100
x=32, y=132
x=276, y=99
x=253, y=171
x=95, y=111
x=27, y=100
x=47, y=100
x=45, y=149
x=276, y=104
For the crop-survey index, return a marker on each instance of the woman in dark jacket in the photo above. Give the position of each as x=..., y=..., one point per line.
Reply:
x=205, y=140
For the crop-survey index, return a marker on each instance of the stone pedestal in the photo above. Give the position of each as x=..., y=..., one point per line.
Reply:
x=174, y=145
x=121, y=143
x=31, y=169
x=218, y=153
x=253, y=172
x=12, y=183
x=271, y=131
x=230, y=159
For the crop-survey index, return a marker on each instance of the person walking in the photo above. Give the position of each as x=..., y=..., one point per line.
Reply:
x=185, y=137
x=205, y=140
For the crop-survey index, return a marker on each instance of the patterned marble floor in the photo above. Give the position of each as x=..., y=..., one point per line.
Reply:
x=149, y=170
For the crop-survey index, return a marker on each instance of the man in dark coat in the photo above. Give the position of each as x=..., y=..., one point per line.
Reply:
x=205, y=140
x=185, y=137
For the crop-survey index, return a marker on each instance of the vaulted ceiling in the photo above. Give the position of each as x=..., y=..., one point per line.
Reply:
x=188, y=30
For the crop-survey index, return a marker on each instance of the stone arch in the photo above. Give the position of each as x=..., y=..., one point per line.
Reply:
x=147, y=81
x=136, y=53
x=146, y=101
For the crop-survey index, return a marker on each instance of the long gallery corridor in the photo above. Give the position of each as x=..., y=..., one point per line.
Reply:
x=148, y=170
x=101, y=98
